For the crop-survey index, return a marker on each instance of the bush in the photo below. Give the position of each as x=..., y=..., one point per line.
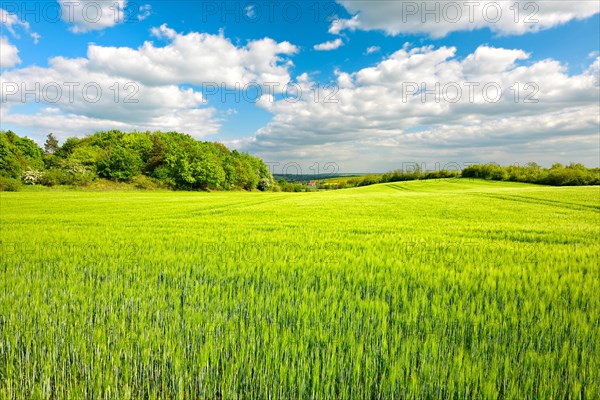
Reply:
x=264, y=184
x=76, y=174
x=31, y=176
x=9, y=184
x=53, y=177
x=69, y=173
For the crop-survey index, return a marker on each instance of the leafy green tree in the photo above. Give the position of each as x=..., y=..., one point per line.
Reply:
x=156, y=156
x=119, y=163
x=51, y=144
x=68, y=146
x=9, y=163
x=246, y=176
x=87, y=155
x=208, y=173
x=18, y=154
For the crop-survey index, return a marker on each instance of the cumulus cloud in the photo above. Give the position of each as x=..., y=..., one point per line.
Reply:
x=427, y=102
x=9, y=54
x=84, y=100
x=340, y=24
x=196, y=58
x=327, y=46
x=90, y=15
x=144, y=88
x=438, y=18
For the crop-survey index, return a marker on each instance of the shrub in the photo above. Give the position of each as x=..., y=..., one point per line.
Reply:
x=264, y=184
x=9, y=184
x=53, y=177
x=76, y=174
x=31, y=176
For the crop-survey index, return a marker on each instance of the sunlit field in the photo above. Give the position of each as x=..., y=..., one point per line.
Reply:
x=422, y=289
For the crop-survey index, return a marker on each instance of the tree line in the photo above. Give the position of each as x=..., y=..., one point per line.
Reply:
x=573, y=174
x=174, y=160
x=146, y=159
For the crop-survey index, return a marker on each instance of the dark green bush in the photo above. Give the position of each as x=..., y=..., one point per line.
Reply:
x=9, y=184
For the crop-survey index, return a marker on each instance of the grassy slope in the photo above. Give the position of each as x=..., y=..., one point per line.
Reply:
x=472, y=286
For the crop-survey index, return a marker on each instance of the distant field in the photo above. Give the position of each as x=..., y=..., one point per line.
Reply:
x=421, y=289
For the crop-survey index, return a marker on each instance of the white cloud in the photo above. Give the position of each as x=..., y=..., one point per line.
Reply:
x=90, y=15
x=382, y=110
x=372, y=49
x=152, y=79
x=331, y=45
x=12, y=24
x=304, y=77
x=594, y=71
x=9, y=54
x=490, y=60
x=97, y=100
x=438, y=18
x=196, y=58
x=36, y=37
x=196, y=122
x=340, y=24
x=144, y=12
x=12, y=21
x=163, y=32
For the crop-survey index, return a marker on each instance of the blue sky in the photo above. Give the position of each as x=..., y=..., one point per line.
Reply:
x=368, y=53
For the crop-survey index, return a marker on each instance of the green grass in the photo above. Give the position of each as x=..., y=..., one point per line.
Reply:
x=421, y=289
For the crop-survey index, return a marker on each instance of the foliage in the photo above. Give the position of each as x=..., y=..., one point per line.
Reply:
x=571, y=175
x=119, y=163
x=51, y=144
x=285, y=186
x=31, y=176
x=399, y=175
x=76, y=173
x=18, y=154
x=264, y=184
x=53, y=177
x=168, y=159
x=9, y=184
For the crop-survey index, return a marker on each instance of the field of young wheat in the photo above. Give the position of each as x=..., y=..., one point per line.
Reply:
x=422, y=289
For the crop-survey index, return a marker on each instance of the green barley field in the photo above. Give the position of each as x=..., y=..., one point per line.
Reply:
x=424, y=289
